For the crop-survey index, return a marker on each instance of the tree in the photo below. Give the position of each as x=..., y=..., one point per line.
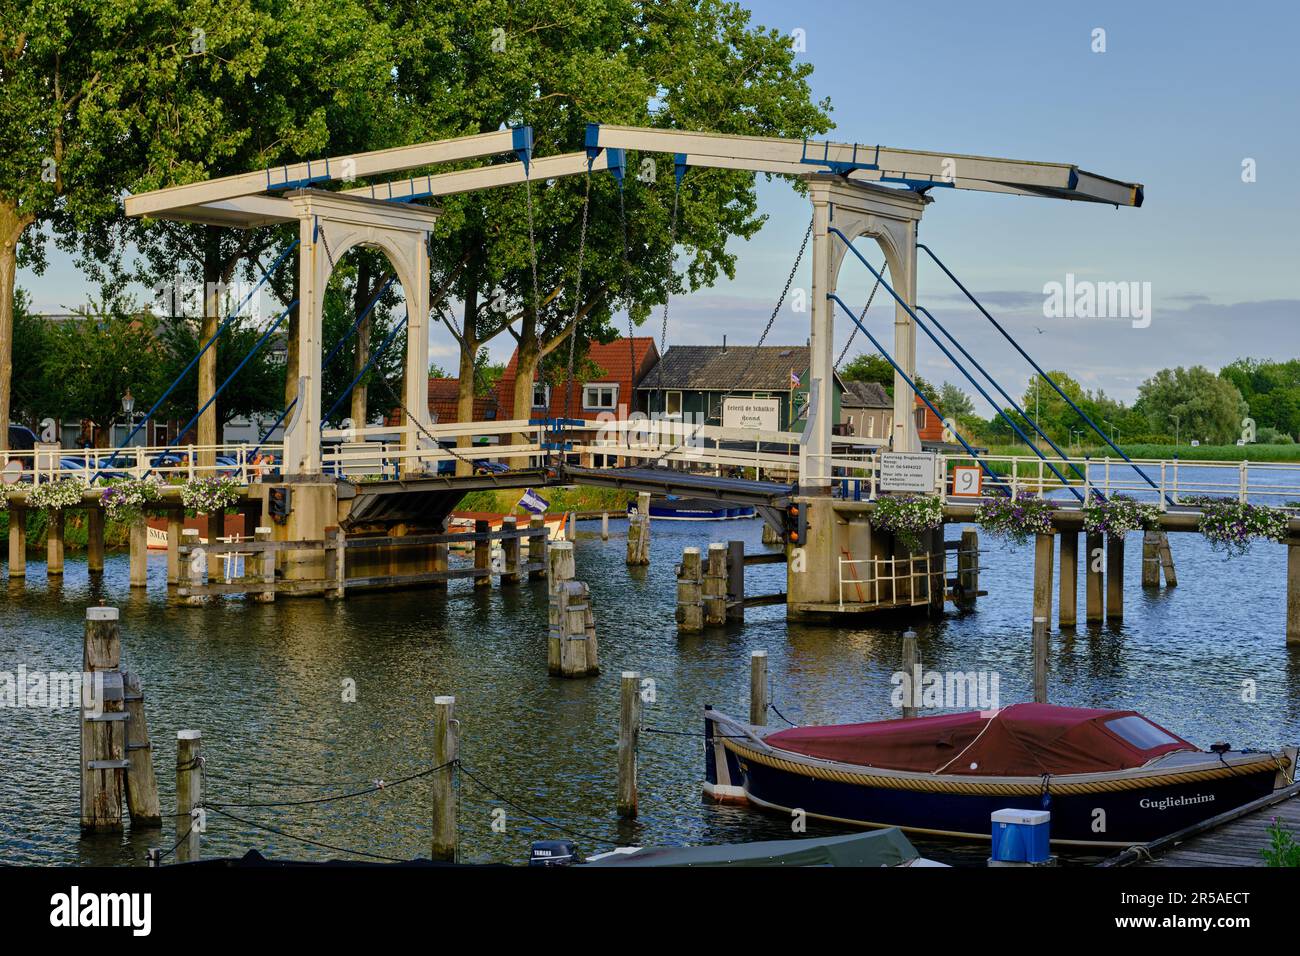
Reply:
x=873, y=367
x=95, y=358
x=954, y=403
x=556, y=65
x=1271, y=389
x=1206, y=406
x=31, y=386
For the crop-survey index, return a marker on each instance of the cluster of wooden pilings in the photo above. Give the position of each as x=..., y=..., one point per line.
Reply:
x=711, y=593
x=571, y=646
x=1103, y=574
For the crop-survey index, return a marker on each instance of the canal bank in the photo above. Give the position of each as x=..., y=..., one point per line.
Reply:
x=266, y=685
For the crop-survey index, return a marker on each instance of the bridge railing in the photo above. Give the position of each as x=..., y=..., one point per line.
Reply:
x=167, y=462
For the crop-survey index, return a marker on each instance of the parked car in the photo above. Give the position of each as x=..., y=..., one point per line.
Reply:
x=22, y=439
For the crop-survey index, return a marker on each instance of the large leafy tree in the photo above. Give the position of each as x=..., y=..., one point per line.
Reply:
x=92, y=360
x=1271, y=389
x=31, y=398
x=1207, y=407
x=556, y=65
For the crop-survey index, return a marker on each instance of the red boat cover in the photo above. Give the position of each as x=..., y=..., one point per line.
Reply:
x=1024, y=740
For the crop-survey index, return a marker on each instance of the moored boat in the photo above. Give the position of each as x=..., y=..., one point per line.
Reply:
x=1109, y=777
x=673, y=508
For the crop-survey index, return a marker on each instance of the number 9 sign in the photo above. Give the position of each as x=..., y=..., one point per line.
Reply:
x=966, y=481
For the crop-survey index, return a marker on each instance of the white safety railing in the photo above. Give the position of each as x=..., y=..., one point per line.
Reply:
x=168, y=462
x=885, y=574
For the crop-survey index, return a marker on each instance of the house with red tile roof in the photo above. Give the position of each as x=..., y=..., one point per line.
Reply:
x=615, y=370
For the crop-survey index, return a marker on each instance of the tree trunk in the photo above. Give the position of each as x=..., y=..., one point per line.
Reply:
x=361, y=354
x=530, y=357
x=207, y=428
x=12, y=224
x=469, y=346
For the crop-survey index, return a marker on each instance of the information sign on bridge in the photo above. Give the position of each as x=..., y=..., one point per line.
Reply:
x=900, y=471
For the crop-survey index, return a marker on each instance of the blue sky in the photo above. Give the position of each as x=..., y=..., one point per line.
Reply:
x=1183, y=94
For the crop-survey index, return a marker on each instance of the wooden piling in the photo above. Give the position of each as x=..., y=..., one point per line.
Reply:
x=440, y=565
x=95, y=540
x=1114, y=578
x=690, y=603
x=1043, y=547
x=190, y=819
x=638, y=532
x=17, y=541
x=714, y=585
x=537, y=548
x=266, y=567
x=193, y=567
x=604, y=526
x=139, y=544
x=1069, y=590
x=770, y=535
x=1167, y=560
x=758, y=688
x=175, y=525
x=629, y=729
x=561, y=572
x=54, y=529
x=578, y=657
x=103, y=730
x=736, y=581
x=1293, y=591
x=1150, y=559
x=968, y=574
x=1040, y=647
x=482, y=555
x=510, y=549
x=1093, y=577
x=141, y=783
x=912, y=670
x=445, y=751
x=336, y=542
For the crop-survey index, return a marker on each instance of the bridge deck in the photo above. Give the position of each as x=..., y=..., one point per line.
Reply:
x=672, y=482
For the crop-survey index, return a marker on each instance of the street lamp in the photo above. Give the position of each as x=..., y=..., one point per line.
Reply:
x=128, y=405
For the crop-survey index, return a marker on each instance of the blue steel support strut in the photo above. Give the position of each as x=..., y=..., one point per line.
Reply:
x=194, y=361
x=1039, y=369
x=1005, y=417
x=961, y=368
x=996, y=479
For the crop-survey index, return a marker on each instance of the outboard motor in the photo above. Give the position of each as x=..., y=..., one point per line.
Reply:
x=553, y=853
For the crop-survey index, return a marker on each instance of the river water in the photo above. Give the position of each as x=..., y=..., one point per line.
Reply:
x=264, y=684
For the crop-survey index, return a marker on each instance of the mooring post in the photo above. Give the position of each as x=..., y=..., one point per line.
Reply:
x=141, y=783
x=537, y=547
x=561, y=572
x=190, y=819
x=175, y=525
x=440, y=565
x=139, y=544
x=1293, y=591
x=95, y=540
x=482, y=555
x=103, y=730
x=714, y=590
x=736, y=581
x=510, y=549
x=690, y=604
x=1114, y=577
x=968, y=574
x=1069, y=611
x=577, y=640
x=1040, y=660
x=54, y=542
x=216, y=524
x=1167, y=560
x=758, y=688
x=604, y=526
x=1150, y=559
x=1043, y=547
x=1093, y=577
x=266, y=568
x=17, y=541
x=444, y=791
x=912, y=674
x=771, y=535
x=629, y=729
x=638, y=532
x=193, y=568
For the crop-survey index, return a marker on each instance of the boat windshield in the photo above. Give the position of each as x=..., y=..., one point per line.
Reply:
x=1140, y=732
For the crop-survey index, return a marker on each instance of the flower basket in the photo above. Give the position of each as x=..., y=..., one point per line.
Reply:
x=1117, y=515
x=57, y=495
x=1015, y=519
x=1232, y=526
x=908, y=517
x=125, y=500
x=209, y=494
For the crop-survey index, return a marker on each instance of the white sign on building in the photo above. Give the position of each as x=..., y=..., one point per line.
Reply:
x=904, y=471
x=760, y=414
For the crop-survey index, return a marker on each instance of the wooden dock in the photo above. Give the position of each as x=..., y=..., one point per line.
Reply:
x=1230, y=839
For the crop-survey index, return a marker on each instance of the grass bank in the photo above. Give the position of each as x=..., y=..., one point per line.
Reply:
x=1263, y=453
x=569, y=498
x=75, y=534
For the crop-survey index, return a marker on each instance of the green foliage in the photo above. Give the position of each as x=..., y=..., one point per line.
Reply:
x=908, y=517
x=1282, y=849
x=874, y=367
x=91, y=361
x=1272, y=391
x=30, y=399
x=1232, y=526
x=1119, y=515
x=257, y=387
x=954, y=403
x=1015, y=520
x=1204, y=405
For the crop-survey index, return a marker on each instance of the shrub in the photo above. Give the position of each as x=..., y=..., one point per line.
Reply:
x=1282, y=849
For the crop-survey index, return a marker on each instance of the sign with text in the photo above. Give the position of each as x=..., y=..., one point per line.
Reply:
x=903, y=471
x=760, y=414
x=967, y=481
